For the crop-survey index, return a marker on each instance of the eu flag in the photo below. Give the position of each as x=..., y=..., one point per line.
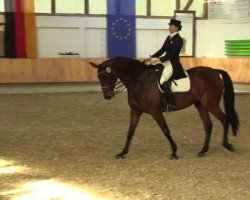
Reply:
x=121, y=28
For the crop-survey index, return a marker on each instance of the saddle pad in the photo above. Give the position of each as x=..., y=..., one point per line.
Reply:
x=182, y=85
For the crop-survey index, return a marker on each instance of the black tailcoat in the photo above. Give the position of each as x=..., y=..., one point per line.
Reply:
x=172, y=48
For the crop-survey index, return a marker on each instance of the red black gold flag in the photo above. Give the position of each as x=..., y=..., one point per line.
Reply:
x=20, y=29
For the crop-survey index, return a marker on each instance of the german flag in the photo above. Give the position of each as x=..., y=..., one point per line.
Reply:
x=20, y=29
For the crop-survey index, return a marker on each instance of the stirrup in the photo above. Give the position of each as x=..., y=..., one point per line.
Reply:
x=167, y=107
x=170, y=107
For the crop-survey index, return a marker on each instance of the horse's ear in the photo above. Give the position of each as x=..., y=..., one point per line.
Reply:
x=94, y=65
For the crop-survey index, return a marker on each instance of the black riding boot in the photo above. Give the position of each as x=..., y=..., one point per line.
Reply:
x=171, y=106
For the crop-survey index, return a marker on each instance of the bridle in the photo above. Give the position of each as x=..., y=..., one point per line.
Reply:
x=118, y=87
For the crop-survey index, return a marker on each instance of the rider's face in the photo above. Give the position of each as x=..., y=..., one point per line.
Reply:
x=172, y=29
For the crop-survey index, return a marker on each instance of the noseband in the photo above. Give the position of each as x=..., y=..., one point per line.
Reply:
x=107, y=87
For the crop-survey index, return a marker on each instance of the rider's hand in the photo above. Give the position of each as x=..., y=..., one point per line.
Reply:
x=148, y=58
x=154, y=60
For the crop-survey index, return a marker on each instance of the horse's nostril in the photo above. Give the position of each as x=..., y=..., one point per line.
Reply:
x=108, y=97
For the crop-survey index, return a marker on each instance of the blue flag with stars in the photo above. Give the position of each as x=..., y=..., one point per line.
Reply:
x=121, y=28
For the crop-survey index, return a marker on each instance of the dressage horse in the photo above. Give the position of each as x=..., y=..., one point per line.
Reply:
x=207, y=89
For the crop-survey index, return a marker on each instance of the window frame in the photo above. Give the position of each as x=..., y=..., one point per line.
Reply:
x=148, y=11
x=2, y=24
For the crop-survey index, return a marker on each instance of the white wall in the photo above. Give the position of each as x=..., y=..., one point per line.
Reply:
x=211, y=34
x=87, y=35
x=71, y=34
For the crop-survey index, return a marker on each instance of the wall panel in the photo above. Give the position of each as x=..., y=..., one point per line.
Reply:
x=48, y=70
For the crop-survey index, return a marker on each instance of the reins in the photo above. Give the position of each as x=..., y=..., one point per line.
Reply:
x=119, y=87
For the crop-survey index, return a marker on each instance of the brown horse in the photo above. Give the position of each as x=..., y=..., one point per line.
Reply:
x=207, y=88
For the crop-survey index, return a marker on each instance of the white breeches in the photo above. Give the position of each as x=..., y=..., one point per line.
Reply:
x=167, y=71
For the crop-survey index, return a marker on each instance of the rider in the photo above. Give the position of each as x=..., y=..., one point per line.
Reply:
x=171, y=61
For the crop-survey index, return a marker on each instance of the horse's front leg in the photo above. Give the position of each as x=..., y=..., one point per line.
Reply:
x=159, y=118
x=134, y=119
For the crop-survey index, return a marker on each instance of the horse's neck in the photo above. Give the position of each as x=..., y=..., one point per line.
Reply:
x=129, y=76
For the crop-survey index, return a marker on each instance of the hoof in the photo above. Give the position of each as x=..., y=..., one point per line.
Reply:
x=119, y=156
x=174, y=157
x=200, y=154
x=229, y=147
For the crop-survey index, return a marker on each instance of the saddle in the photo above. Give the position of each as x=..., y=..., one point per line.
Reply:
x=177, y=85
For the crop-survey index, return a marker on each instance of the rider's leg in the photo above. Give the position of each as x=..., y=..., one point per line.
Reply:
x=167, y=72
x=169, y=95
x=166, y=83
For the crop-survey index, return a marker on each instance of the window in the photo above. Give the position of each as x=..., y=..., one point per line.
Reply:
x=2, y=9
x=98, y=7
x=141, y=7
x=2, y=40
x=2, y=6
x=43, y=6
x=71, y=7
x=163, y=7
x=197, y=6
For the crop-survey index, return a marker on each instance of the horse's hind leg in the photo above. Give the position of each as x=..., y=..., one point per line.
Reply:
x=134, y=119
x=207, y=126
x=217, y=112
x=162, y=123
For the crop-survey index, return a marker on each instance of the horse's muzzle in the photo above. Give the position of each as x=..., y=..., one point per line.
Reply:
x=108, y=95
x=108, y=98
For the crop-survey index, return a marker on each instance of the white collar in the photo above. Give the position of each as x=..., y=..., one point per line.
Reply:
x=173, y=34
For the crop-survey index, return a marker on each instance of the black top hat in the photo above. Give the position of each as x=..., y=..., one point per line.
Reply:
x=175, y=22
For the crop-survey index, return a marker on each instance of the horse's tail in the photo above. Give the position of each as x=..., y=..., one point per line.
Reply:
x=229, y=101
